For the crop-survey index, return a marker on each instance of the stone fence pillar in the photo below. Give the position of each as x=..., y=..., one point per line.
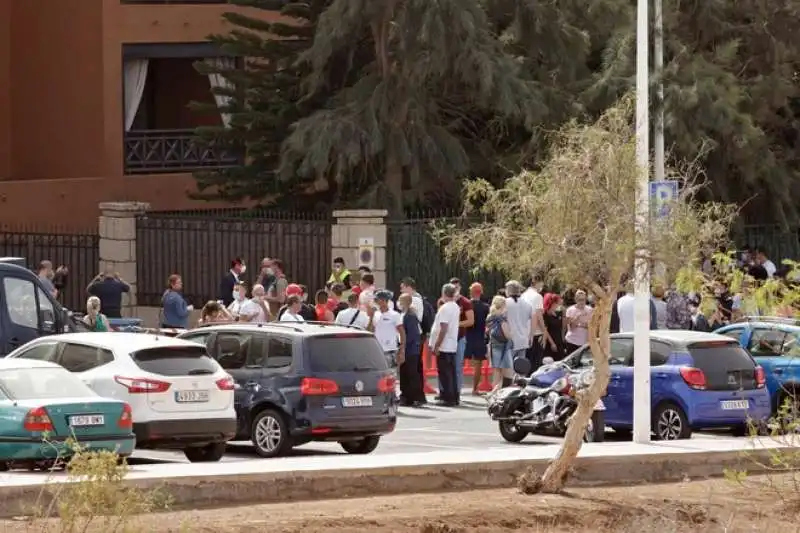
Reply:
x=357, y=232
x=117, y=230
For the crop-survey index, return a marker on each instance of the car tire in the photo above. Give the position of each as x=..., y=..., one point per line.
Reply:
x=361, y=447
x=670, y=423
x=511, y=432
x=4, y=467
x=270, y=434
x=210, y=453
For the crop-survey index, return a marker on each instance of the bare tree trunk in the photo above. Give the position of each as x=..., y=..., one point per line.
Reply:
x=394, y=182
x=554, y=478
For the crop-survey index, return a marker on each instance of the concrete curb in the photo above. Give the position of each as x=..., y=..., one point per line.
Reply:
x=204, y=491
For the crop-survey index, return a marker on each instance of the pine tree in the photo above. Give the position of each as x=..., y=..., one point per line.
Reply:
x=264, y=100
x=427, y=69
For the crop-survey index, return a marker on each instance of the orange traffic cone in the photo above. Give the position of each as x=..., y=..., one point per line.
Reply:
x=486, y=381
x=431, y=371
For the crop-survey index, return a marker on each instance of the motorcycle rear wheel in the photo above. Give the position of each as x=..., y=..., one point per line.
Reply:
x=511, y=432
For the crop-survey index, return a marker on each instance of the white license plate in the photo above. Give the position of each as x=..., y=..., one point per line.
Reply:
x=87, y=420
x=191, y=396
x=734, y=405
x=357, y=401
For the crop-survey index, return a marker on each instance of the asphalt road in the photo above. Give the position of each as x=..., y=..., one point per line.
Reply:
x=431, y=428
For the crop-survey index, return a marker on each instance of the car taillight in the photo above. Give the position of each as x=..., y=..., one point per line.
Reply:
x=37, y=420
x=694, y=377
x=126, y=418
x=318, y=387
x=142, y=385
x=761, y=378
x=387, y=384
x=226, y=383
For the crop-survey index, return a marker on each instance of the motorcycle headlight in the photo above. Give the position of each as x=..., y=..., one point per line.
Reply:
x=587, y=378
x=560, y=384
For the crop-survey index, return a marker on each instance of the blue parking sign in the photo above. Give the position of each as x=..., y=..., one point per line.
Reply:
x=662, y=194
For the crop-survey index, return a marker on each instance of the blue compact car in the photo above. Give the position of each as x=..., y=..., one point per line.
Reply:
x=775, y=345
x=698, y=381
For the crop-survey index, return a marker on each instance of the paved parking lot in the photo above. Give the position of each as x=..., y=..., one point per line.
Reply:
x=428, y=429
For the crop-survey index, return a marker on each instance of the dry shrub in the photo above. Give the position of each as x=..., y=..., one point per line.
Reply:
x=94, y=497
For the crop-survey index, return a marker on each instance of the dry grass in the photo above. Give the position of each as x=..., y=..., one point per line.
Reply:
x=708, y=506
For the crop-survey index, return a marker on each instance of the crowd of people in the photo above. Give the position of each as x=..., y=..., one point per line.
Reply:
x=521, y=320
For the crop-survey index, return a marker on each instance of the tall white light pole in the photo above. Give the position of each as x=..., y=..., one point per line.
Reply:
x=658, y=63
x=641, y=331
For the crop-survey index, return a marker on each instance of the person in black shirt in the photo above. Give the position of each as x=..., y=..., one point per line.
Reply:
x=109, y=288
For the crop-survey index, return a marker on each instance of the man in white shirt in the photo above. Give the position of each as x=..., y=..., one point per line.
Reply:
x=626, y=310
x=255, y=309
x=533, y=297
x=444, y=345
x=409, y=286
x=519, y=314
x=387, y=325
x=367, y=296
x=353, y=315
x=292, y=313
x=763, y=260
x=239, y=298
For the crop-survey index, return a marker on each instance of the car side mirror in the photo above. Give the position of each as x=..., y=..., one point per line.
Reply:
x=522, y=366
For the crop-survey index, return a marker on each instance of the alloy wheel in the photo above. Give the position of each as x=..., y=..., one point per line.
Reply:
x=268, y=435
x=669, y=425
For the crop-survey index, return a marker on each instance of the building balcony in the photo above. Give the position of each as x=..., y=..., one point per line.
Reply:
x=172, y=151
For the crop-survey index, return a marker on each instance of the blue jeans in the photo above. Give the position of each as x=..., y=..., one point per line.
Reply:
x=462, y=347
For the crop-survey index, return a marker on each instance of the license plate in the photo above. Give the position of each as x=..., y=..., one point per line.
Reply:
x=191, y=396
x=357, y=401
x=87, y=420
x=734, y=405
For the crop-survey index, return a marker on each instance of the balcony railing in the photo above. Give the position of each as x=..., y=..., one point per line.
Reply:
x=167, y=151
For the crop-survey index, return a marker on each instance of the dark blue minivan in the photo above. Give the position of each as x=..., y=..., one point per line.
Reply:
x=27, y=311
x=303, y=382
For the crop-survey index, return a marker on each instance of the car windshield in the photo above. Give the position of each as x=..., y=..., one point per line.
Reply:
x=175, y=361
x=345, y=353
x=43, y=384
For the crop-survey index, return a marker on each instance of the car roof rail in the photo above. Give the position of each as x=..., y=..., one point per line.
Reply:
x=771, y=320
x=331, y=324
x=287, y=325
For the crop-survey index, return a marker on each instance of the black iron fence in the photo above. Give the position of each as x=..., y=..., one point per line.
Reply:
x=412, y=251
x=200, y=246
x=79, y=252
x=779, y=242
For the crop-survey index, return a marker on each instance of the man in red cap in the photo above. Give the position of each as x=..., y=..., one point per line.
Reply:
x=293, y=289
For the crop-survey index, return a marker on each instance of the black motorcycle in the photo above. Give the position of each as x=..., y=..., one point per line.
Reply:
x=525, y=407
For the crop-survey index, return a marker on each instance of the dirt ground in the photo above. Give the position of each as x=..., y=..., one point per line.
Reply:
x=710, y=506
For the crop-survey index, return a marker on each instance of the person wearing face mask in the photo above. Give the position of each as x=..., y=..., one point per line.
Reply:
x=553, y=327
x=699, y=321
x=238, y=298
x=228, y=284
x=267, y=278
x=339, y=276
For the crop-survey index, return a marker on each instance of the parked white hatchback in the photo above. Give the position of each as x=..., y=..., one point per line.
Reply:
x=180, y=397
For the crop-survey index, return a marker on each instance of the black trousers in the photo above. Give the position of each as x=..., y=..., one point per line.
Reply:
x=448, y=387
x=571, y=347
x=535, y=353
x=411, y=377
